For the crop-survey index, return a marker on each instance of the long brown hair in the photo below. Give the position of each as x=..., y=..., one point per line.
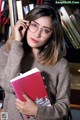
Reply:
x=55, y=48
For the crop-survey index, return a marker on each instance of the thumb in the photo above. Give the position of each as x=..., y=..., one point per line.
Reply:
x=26, y=97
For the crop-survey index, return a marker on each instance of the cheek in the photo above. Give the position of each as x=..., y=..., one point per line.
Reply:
x=43, y=41
x=28, y=36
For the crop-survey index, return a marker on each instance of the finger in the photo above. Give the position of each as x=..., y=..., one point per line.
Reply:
x=19, y=102
x=23, y=31
x=20, y=107
x=26, y=97
x=21, y=25
x=26, y=21
x=23, y=22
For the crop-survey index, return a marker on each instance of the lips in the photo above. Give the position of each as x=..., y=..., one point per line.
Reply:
x=34, y=40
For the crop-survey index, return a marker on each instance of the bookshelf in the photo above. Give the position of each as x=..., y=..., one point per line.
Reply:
x=73, y=53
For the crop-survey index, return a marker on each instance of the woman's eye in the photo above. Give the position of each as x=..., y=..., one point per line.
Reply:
x=34, y=25
x=46, y=30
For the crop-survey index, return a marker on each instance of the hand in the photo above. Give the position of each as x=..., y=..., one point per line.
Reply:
x=19, y=29
x=29, y=107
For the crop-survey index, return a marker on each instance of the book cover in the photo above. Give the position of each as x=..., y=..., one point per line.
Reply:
x=31, y=84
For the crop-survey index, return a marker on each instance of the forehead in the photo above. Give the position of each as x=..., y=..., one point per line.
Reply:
x=44, y=21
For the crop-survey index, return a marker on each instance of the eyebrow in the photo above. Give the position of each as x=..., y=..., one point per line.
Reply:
x=43, y=26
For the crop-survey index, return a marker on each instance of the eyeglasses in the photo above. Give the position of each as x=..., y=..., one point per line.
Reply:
x=44, y=32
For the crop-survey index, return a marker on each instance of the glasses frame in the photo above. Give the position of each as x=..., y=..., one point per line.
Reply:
x=41, y=29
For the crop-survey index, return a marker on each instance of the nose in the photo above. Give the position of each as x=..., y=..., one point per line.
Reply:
x=38, y=33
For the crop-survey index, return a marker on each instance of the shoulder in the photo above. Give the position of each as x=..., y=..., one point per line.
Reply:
x=61, y=65
x=2, y=50
x=2, y=47
x=62, y=62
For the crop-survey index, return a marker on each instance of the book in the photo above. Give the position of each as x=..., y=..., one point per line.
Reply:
x=70, y=36
x=11, y=13
x=77, y=16
x=0, y=10
x=73, y=19
x=65, y=16
x=19, y=9
x=2, y=4
x=28, y=8
x=31, y=84
x=14, y=11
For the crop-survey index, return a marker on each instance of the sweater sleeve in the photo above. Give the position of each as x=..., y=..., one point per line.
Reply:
x=58, y=110
x=12, y=65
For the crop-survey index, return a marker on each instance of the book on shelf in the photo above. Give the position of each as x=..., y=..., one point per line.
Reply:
x=74, y=21
x=14, y=11
x=67, y=37
x=66, y=18
x=70, y=36
x=28, y=8
x=0, y=10
x=77, y=16
x=2, y=4
x=11, y=13
x=31, y=84
x=67, y=42
x=19, y=9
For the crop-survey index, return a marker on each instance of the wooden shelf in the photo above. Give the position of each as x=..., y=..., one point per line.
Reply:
x=75, y=106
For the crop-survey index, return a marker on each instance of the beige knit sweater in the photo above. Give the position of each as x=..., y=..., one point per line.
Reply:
x=56, y=80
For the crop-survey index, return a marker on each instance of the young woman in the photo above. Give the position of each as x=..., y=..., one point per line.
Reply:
x=36, y=41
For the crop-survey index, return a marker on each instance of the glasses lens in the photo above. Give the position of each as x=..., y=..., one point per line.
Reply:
x=46, y=32
x=33, y=27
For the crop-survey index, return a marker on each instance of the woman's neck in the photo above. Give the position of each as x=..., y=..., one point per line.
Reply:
x=35, y=52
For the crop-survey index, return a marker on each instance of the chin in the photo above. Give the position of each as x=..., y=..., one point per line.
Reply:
x=32, y=46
